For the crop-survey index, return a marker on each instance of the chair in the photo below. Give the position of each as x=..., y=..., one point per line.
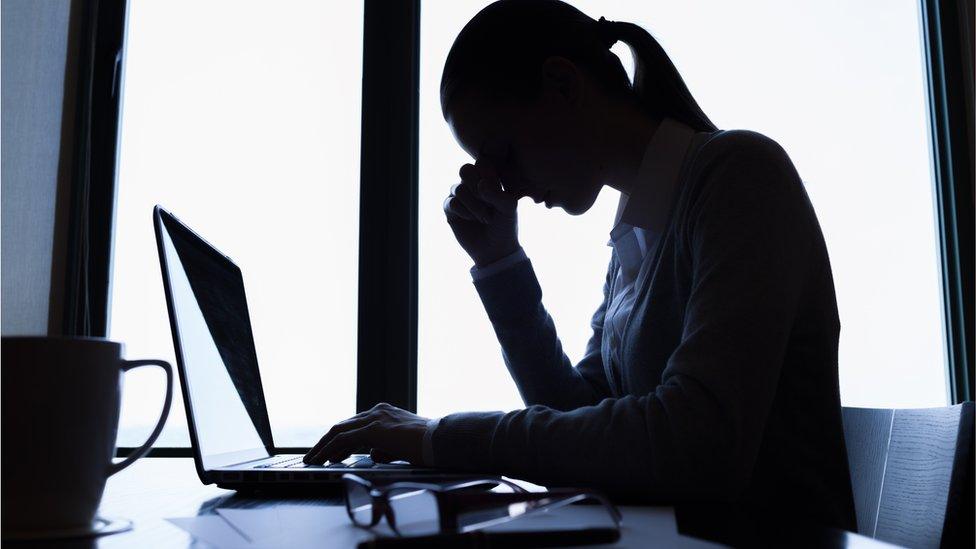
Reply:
x=911, y=471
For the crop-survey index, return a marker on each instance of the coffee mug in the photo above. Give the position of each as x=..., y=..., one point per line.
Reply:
x=61, y=399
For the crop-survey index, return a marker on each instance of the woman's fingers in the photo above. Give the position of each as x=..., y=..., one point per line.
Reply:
x=481, y=191
x=463, y=203
x=387, y=430
x=469, y=172
x=342, y=445
x=492, y=193
x=466, y=194
x=489, y=186
x=350, y=424
x=454, y=207
x=354, y=422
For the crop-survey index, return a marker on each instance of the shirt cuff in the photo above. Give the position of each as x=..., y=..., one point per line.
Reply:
x=427, y=449
x=479, y=273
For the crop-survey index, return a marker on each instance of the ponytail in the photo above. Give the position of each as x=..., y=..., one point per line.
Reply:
x=657, y=83
x=503, y=47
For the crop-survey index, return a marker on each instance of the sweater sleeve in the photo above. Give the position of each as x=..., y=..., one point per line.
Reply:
x=749, y=237
x=531, y=350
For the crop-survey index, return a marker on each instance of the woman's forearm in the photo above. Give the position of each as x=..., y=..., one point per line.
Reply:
x=530, y=347
x=649, y=447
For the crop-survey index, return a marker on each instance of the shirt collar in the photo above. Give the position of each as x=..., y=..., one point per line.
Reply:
x=648, y=203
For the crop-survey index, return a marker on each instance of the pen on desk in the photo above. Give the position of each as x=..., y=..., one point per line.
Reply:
x=481, y=539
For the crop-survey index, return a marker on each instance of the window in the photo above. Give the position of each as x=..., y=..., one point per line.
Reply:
x=244, y=121
x=843, y=91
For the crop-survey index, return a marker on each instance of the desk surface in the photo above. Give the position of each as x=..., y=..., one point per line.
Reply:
x=158, y=488
x=154, y=489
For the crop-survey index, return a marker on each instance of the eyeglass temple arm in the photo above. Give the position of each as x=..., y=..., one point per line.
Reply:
x=487, y=483
x=492, y=482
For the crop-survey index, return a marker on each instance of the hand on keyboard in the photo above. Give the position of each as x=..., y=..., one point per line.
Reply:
x=390, y=433
x=355, y=461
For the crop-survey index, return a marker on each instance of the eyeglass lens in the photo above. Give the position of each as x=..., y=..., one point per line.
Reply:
x=415, y=511
x=359, y=503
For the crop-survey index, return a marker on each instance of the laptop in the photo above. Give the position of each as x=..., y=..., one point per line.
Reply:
x=225, y=407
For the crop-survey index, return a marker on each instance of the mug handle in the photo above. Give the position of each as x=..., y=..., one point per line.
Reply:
x=144, y=449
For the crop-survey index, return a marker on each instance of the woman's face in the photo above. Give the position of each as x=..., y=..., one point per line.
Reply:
x=545, y=149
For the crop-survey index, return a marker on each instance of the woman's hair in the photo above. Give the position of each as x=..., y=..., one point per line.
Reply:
x=502, y=49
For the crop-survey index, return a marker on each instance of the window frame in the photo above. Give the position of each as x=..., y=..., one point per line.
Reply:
x=85, y=210
x=387, y=318
x=387, y=326
x=950, y=128
x=387, y=346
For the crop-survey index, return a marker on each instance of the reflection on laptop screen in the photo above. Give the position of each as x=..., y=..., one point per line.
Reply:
x=217, y=349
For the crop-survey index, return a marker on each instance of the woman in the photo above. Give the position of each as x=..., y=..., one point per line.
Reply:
x=711, y=375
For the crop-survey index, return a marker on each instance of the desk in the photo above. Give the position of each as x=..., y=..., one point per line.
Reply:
x=154, y=489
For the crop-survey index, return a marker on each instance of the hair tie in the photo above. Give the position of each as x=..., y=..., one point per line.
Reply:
x=604, y=30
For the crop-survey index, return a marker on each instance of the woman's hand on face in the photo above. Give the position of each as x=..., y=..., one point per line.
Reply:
x=482, y=214
x=389, y=432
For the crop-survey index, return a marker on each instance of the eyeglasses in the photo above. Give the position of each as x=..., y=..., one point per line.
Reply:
x=417, y=508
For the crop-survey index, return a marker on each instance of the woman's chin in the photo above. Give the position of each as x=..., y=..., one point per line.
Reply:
x=573, y=210
x=574, y=207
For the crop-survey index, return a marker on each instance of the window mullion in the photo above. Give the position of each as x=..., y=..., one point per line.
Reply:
x=387, y=352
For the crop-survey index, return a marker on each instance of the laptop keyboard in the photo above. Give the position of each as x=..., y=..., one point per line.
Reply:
x=285, y=462
x=358, y=462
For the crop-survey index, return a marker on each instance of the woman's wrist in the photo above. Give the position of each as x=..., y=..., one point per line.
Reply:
x=485, y=260
x=427, y=450
x=479, y=272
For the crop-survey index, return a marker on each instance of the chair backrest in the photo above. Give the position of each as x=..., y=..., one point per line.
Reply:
x=904, y=463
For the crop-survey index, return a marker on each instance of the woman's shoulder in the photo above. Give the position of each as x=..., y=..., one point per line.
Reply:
x=740, y=168
x=742, y=145
x=744, y=156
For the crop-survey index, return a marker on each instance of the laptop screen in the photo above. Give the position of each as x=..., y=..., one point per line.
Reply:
x=208, y=308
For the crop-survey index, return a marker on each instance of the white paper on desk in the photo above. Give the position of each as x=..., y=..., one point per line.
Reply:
x=213, y=530
x=325, y=519
x=257, y=526
x=290, y=525
x=276, y=526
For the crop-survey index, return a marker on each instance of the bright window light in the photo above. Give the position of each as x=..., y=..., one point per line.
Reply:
x=243, y=119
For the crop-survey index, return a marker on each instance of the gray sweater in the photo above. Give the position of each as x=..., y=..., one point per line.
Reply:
x=727, y=391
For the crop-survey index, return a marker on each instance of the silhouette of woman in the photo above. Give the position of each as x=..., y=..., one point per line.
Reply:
x=711, y=375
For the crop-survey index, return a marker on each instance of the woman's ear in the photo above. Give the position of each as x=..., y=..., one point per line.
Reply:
x=562, y=80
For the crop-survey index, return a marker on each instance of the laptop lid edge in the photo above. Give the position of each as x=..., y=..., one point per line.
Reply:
x=160, y=218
